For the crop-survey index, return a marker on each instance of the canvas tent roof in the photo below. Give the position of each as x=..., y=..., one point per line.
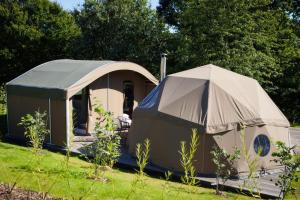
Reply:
x=213, y=97
x=63, y=78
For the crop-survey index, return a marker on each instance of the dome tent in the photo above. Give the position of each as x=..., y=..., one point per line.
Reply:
x=214, y=101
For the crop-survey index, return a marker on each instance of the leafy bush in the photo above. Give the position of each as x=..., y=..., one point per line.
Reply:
x=252, y=163
x=36, y=131
x=107, y=144
x=187, y=159
x=35, y=128
x=3, y=119
x=108, y=148
x=224, y=162
x=291, y=164
x=2, y=99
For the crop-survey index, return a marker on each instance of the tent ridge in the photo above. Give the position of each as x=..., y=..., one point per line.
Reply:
x=208, y=101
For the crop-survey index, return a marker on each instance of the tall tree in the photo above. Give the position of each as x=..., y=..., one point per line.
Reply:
x=121, y=30
x=32, y=32
x=288, y=54
x=256, y=38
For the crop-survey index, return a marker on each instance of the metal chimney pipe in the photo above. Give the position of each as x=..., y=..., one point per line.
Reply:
x=163, y=63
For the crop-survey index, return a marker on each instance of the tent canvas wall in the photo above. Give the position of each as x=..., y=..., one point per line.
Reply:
x=52, y=86
x=215, y=101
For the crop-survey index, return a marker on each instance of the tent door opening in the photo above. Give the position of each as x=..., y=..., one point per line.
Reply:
x=128, y=92
x=80, y=112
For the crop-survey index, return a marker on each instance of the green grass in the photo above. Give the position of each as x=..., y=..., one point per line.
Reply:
x=296, y=125
x=16, y=163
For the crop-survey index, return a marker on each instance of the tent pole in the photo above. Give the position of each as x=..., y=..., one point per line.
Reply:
x=289, y=133
x=67, y=123
x=107, y=95
x=50, y=125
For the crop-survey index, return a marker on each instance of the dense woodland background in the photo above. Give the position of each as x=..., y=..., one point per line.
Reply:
x=257, y=38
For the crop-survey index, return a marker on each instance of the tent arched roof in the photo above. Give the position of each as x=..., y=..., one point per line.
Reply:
x=64, y=78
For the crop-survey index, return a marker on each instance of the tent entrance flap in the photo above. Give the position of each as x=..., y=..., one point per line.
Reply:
x=128, y=92
x=80, y=111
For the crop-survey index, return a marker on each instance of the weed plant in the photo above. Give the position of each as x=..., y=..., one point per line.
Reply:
x=187, y=159
x=291, y=163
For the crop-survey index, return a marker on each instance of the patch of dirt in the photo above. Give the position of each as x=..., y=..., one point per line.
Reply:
x=21, y=194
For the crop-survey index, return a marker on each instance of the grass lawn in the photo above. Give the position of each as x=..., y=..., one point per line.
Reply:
x=16, y=163
x=297, y=125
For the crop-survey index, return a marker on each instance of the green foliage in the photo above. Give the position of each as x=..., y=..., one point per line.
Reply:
x=33, y=32
x=166, y=185
x=259, y=38
x=105, y=121
x=36, y=128
x=224, y=162
x=291, y=164
x=251, y=183
x=142, y=154
x=121, y=30
x=187, y=159
x=3, y=117
x=296, y=125
x=2, y=100
x=227, y=36
x=108, y=149
x=107, y=144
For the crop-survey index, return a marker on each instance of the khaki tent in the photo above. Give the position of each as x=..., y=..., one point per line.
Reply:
x=215, y=101
x=62, y=87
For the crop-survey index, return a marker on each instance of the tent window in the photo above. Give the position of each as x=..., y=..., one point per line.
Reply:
x=262, y=145
x=128, y=91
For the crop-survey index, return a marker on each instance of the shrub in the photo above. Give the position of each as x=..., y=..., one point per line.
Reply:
x=36, y=131
x=252, y=163
x=35, y=128
x=187, y=159
x=3, y=119
x=291, y=164
x=2, y=99
x=224, y=162
x=107, y=144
